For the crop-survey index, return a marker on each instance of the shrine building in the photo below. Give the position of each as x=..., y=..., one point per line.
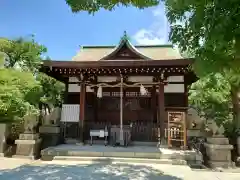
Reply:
x=141, y=87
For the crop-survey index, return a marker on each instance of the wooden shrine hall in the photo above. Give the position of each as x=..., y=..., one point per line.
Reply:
x=140, y=92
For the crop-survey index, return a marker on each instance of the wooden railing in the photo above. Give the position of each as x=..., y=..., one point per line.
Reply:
x=147, y=132
x=139, y=131
x=175, y=133
x=70, y=130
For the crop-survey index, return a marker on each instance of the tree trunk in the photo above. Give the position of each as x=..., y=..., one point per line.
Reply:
x=235, y=95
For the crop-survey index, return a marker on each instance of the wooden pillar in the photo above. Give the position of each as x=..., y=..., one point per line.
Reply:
x=186, y=112
x=186, y=90
x=82, y=111
x=124, y=109
x=161, y=112
x=66, y=93
x=154, y=104
x=95, y=105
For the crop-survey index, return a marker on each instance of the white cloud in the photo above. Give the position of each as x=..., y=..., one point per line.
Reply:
x=157, y=32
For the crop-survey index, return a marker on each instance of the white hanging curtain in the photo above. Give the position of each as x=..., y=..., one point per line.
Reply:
x=143, y=90
x=99, y=92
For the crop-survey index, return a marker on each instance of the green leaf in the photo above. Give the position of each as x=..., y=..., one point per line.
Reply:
x=92, y=6
x=22, y=87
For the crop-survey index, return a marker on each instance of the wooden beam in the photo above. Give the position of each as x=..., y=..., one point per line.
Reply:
x=119, y=63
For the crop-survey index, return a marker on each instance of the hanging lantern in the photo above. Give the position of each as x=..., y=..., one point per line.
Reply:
x=143, y=90
x=99, y=92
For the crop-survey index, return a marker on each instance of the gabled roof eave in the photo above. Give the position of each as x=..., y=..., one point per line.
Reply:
x=126, y=41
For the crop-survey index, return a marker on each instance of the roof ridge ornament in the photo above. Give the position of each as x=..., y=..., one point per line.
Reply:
x=125, y=37
x=125, y=40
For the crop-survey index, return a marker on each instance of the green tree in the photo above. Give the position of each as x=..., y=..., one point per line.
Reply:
x=210, y=95
x=2, y=60
x=23, y=87
x=92, y=6
x=52, y=91
x=19, y=94
x=22, y=53
x=209, y=29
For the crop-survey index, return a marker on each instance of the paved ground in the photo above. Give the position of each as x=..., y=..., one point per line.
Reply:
x=16, y=169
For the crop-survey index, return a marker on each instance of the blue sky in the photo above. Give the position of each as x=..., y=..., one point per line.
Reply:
x=62, y=32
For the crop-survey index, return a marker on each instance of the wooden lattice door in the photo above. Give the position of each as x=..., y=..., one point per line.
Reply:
x=176, y=129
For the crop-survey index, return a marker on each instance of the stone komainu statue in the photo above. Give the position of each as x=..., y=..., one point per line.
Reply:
x=53, y=118
x=30, y=124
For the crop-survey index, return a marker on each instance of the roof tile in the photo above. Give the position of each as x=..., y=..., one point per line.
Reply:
x=157, y=52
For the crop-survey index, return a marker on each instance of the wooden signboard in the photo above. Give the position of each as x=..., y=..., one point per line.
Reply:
x=176, y=129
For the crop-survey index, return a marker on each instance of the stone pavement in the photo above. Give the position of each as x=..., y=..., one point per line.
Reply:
x=11, y=163
x=18, y=169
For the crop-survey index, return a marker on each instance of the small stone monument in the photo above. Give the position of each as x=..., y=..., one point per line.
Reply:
x=28, y=144
x=50, y=130
x=5, y=130
x=218, y=148
x=238, y=147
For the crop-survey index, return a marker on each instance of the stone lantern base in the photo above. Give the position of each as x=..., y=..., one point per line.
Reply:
x=219, y=152
x=50, y=135
x=28, y=146
x=5, y=130
x=238, y=149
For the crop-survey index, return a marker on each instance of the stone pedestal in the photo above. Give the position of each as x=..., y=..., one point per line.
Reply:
x=50, y=135
x=28, y=146
x=218, y=151
x=5, y=130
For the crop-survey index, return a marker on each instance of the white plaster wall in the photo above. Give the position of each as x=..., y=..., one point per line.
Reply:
x=106, y=78
x=175, y=79
x=174, y=88
x=73, y=79
x=140, y=78
x=73, y=88
x=70, y=113
x=76, y=88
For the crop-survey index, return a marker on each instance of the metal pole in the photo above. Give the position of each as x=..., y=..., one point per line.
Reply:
x=121, y=111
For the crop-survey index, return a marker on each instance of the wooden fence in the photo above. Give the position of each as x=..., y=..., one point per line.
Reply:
x=147, y=132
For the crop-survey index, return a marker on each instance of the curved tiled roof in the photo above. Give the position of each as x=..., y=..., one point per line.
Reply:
x=95, y=53
x=148, y=52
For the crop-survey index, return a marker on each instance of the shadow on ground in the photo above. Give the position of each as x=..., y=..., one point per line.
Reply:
x=97, y=171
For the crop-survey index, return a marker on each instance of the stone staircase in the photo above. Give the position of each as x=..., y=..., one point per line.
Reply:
x=134, y=154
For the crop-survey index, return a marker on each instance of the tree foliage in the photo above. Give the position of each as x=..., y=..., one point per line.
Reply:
x=22, y=87
x=52, y=90
x=19, y=94
x=2, y=60
x=22, y=53
x=210, y=30
x=92, y=6
x=210, y=95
